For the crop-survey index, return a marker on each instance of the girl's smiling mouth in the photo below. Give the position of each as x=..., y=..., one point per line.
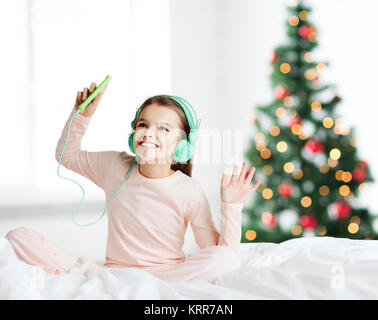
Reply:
x=148, y=144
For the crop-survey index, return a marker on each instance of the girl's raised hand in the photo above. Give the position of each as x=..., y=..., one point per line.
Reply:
x=90, y=109
x=238, y=189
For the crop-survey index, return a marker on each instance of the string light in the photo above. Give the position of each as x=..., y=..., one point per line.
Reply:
x=341, y=128
x=268, y=169
x=260, y=146
x=302, y=136
x=308, y=56
x=281, y=146
x=296, y=129
x=261, y=187
x=355, y=219
x=280, y=112
x=293, y=3
x=338, y=175
x=298, y=174
x=312, y=34
x=265, y=153
x=332, y=163
x=285, y=67
x=353, y=227
x=288, y=101
x=335, y=154
x=320, y=67
x=362, y=186
x=303, y=15
x=327, y=122
x=296, y=230
x=267, y=193
x=324, y=168
x=346, y=176
x=256, y=160
x=260, y=137
x=288, y=167
x=324, y=190
x=344, y=190
x=310, y=74
x=275, y=131
x=250, y=235
x=293, y=21
x=306, y=201
x=349, y=196
x=316, y=105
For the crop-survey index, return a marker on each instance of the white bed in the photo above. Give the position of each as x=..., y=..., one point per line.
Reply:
x=305, y=268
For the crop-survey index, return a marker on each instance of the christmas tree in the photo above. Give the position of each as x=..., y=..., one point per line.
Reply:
x=304, y=153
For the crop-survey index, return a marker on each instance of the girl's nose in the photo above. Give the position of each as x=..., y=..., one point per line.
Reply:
x=149, y=133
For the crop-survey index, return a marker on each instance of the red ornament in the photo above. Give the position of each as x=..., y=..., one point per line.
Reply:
x=269, y=219
x=308, y=221
x=314, y=146
x=304, y=31
x=281, y=93
x=253, y=120
x=340, y=210
x=294, y=121
x=362, y=164
x=359, y=174
x=274, y=58
x=285, y=190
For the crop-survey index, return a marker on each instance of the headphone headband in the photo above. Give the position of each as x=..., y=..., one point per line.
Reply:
x=194, y=122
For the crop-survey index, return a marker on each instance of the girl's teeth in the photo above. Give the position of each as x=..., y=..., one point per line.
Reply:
x=148, y=145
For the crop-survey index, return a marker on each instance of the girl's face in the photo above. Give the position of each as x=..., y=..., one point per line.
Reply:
x=157, y=132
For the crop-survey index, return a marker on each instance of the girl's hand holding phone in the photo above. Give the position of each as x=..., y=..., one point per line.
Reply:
x=81, y=96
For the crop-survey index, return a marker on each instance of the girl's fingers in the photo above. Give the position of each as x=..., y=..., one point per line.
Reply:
x=92, y=87
x=255, y=186
x=85, y=93
x=234, y=177
x=224, y=180
x=98, y=97
x=250, y=175
x=243, y=171
x=78, y=97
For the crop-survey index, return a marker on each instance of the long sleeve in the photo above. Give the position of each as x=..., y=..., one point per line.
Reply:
x=200, y=218
x=92, y=165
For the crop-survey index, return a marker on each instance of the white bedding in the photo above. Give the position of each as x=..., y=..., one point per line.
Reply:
x=304, y=268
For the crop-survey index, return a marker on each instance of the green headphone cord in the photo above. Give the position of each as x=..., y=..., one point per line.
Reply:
x=82, y=198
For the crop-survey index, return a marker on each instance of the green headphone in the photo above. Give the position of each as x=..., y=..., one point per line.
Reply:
x=185, y=148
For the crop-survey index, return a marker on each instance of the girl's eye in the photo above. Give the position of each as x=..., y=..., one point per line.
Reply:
x=143, y=124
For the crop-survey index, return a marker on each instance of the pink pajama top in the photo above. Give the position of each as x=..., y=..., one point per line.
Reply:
x=148, y=218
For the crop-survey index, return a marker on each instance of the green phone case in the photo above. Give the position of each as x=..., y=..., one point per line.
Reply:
x=94, y=93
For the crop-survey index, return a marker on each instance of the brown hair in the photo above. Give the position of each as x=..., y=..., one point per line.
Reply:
x=167, y=101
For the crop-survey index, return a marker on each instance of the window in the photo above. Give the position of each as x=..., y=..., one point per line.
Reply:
x=52, y=50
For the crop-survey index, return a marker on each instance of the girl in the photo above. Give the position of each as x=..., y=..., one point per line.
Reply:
x=147, y=220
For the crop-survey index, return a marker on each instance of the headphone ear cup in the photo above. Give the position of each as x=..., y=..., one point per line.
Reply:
x=131, y=142
x=183, y=151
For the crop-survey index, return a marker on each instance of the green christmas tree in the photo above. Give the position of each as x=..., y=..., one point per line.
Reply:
x=304, y=153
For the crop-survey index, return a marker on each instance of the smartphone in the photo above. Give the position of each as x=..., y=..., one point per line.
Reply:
x=94, y=93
